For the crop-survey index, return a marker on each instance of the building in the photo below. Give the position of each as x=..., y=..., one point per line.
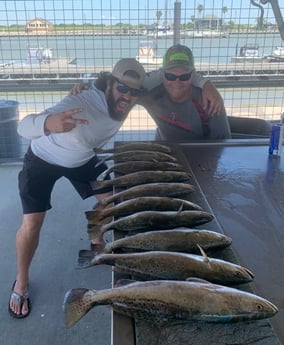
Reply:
x=209, y=23
x=38, y=25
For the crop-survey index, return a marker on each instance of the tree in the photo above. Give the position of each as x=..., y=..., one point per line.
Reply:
x=224, y=10
x=159, y=15
x=200, y=8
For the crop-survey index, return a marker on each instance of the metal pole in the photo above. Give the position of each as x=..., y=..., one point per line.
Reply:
x=177, y=14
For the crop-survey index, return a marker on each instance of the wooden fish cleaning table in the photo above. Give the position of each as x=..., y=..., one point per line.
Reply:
x=243, y=188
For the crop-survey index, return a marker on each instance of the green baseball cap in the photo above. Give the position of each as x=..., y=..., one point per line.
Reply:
x=178, y=56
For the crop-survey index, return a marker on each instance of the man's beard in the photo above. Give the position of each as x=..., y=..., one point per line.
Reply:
x=114, y=113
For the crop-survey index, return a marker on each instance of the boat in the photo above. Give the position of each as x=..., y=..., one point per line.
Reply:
x=205, y=34
x=247, y=53
x=160, y=32
x=148, y=53
x=277, y=55
x=39, y=55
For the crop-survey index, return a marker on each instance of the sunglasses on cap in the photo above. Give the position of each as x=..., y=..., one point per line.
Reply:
x=124, y=89
x=173, y=77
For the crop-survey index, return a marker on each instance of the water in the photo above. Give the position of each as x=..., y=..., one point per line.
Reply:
x=106, y=50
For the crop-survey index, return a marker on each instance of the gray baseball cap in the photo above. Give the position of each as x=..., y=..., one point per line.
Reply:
x=129, y=70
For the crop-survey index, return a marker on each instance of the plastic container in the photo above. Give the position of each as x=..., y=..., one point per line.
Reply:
x=9, y=138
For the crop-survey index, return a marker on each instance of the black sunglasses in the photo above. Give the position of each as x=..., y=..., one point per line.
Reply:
x=124, y=89
x=173, y=77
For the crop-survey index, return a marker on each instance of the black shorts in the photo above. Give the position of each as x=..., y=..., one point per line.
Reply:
x=37, y=179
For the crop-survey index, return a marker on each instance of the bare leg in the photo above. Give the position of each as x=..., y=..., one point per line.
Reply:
x=100, y=239
x=26, y=244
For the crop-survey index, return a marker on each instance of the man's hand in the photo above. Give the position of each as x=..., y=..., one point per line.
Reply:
x=78, y=88
x=212, y=100
x=63, y=122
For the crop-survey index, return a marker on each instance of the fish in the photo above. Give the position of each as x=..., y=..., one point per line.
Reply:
x=177, y=240
x=152, y=156
x=169, y=265
x=174, y=189
x=163, y=302
x=144, y=203
x=133, y=146
x=134, y=166
x=152, y=220
x=142, y=177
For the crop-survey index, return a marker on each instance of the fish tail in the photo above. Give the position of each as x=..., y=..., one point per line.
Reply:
x=94, y=217
x=95, y=231
x=99, y=150
x=101, y=184
x=86, y=258
x=102, y=161
x=77, y=302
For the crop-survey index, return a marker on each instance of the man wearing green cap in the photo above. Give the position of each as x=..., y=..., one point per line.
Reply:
x=177, y=105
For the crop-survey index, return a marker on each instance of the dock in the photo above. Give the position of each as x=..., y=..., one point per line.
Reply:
x=60, y=74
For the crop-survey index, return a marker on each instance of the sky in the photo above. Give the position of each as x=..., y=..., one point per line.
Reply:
x=128, y=11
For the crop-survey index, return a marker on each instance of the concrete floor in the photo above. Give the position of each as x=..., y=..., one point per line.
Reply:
x=53, y=270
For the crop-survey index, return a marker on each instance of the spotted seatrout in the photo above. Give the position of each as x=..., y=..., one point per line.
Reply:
x=169, y=265
x=133, y=146
x=142, y=177
x=134, y=166
x=126, y=156
x=149, y=203
x=177, y=240
x=174, y=189
x=152, y=220
x=171, y=302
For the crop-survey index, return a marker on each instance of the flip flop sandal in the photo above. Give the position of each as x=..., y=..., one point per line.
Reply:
x=19, y=299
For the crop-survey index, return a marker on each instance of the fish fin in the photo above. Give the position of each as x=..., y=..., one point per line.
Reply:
x=180, y=209
x=123, y=282
x=76, y=304
x=202, y=251
x=197, y=280
x=95, y=231
x=85, y=258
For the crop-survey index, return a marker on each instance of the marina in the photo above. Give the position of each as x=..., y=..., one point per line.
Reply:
x=60, y=71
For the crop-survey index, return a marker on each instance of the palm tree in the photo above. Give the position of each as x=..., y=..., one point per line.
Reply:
x=158, y=16
x=200, y=8
x=224, y=11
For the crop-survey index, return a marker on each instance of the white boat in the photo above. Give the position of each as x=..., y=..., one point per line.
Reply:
x=39, y=55
x=160, y=32
x=247, y=53
x=148, y=53
x=277, y=55
x=205, y=33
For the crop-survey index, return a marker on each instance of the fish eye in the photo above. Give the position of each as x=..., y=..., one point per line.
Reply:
x=259, y=307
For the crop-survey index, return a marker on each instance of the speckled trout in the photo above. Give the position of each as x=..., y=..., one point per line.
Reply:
x=176, y=240
x=142, y=177
x=134, y=166
x=171, y=302
x=126, y=156
x=169, y=265
x=173, y=189
x=149, y=203
x=153, y=220
x=133, y=146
